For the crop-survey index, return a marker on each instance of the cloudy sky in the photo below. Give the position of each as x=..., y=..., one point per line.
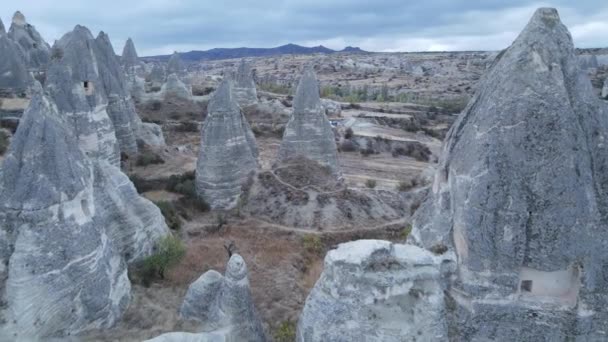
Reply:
x=162, y=26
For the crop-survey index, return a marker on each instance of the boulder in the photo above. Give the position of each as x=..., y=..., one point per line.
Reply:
x=372, y=290
x=175, y=88
x=228, y=154
x=244, y=86
x=308, y=133
x=61, y=272
x=36, y=51
x=521, y=197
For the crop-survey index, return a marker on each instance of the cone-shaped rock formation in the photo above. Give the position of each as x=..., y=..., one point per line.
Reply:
x=308, y=133
x=244, y=86
x=521, y=195
x=37, y=52
x=174, y=87
x=175, y=65
x=228, y=152
x=14, y=76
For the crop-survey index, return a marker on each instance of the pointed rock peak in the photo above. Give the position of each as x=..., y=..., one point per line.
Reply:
x=129, y=50
x=103, y=40
x=19, y=19
x=2, y=29
x=244, y=76
x=307, y=95
x=545, y=22
x=236, y=269
x=43, y=158
x=175, y=64
x=223, y=100
x=81, y=32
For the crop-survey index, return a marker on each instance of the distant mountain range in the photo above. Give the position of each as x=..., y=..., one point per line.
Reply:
x=227, y=53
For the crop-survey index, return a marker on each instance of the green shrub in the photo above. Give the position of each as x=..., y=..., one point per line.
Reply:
x=169, y=252
x=370, y=183
x=312, y=243
x=405, y=232
x=4, y=142
x=185, y=184
x=141, y=184
x=170, y=213
x=404, y=186
x=148, y=158
x=286, y=332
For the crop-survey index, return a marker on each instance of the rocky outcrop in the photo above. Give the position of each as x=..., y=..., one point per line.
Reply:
x=129, y=59
x=61, y=273
x=222, y=305
x=134, y=70
x=36, y=51
x=228, y=154
x=2, y=29
x=244, y=86
x=121, y=109
x=175, y=65
x=521, y=196
x=175, y=88
x=373, y=290
x=308, y=133
x=157, y=76
x=331, y=108
x=74, y=81
x=605, y=89
x=14, y=76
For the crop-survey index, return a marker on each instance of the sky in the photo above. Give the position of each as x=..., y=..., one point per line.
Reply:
x=164, y=26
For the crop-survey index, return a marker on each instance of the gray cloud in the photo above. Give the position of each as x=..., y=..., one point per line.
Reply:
x=161, y=26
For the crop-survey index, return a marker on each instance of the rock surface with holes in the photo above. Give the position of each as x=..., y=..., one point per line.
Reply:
x=373, y=290
x=61, y=272
x=244, y=86
x=308, y=133
x=521, y=196
x=228, y=154
x=36, y=51
x=222, y=305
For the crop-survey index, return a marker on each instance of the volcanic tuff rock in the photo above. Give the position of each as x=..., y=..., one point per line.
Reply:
x=14, y=76
x=244, y=86
x=224, y=304
x=61, y=273
x=588, y=62
x=130, y=59
x=37, y=52
x=2, y=29
x=605, y=89
x=174, y=87
x=373, y=290
x=175, y=65
x=228, y=153
x=134, y=70
x=157, y=75
x=308, y=132
x=521, y=196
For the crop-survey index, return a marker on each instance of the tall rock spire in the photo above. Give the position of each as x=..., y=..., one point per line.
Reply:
x=2, y=29
x=13, y=71
x=62, y=274
x=37, y=51
x=244, y=85
x=129, y=57
x=308, y=133
x=521, y=196
x=228, y=152
x=175, y=65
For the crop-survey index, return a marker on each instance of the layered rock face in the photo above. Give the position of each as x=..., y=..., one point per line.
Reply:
x=244, y=86
x=308, y=133
x=37, y=52
x=373, y=290
x=174, y=87
x=228, y=153
x=175, y=65
x=223, y=306
x=61, y=273
x=521, y=196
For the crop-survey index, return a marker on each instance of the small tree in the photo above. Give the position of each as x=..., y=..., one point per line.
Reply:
x=169, y=252
x=370, y=183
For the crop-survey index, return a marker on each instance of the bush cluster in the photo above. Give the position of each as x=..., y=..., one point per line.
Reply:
x=169, y=252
